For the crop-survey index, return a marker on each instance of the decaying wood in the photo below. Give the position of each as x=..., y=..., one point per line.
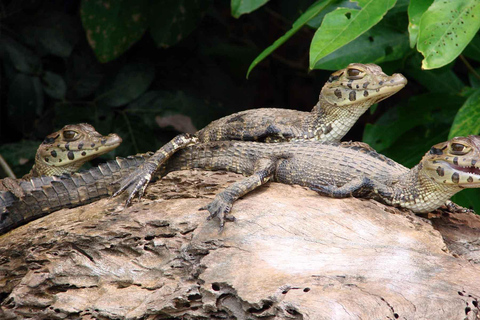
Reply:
x=291, y=254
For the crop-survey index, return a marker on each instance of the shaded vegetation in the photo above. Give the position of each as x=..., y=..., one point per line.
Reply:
x=127, y=66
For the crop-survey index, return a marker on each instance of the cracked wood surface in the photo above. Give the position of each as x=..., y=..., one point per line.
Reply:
x=291, y=254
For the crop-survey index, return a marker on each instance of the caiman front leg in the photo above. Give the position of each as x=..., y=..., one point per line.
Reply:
x=349, y=189
x=223, y=202
x=137, y=181
x=359, y=187
x=456, y=208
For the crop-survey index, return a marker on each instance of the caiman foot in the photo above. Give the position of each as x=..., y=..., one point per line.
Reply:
x=455, y=208
x=136, y=182
x=219, y=208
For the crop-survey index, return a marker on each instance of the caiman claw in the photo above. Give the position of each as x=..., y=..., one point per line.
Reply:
x=455, y=208
x=219, y=208
x=136, y=182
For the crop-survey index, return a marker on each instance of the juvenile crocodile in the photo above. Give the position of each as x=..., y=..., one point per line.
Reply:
x=347, y=94
x=332, y=169
x=66, y=150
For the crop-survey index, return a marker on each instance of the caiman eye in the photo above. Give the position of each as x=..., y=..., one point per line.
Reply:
x=69, y=134
x=355, y=74
x=458, y=148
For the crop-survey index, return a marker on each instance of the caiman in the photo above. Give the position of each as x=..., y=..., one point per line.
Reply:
x=332, y=169
x=65, y=152
x=346, y=95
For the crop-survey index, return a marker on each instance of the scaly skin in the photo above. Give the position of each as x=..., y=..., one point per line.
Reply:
x=332, y=169
x=347, y=94
x=26, y=200
x=66, y=150
x=340, y=170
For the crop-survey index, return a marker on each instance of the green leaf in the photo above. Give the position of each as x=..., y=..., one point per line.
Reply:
x=316, y=21
x=172, y=20
x=446, y=28
x=429, y=109
x=54, y=85
x=240, y=7
x=53, y=33
x=442, y=80
x=344, y=25
x=112, y=27
x=20, y=57
x=311, y=13
x=377, y=45
x=131, y=82
x=400, y=6
x=406, y=139
x=416, y=9
x=467, y=120
x=472, y=51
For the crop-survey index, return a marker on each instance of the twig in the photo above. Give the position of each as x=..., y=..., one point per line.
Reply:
x=130, y=130
x=6, y=168
x=469, y=67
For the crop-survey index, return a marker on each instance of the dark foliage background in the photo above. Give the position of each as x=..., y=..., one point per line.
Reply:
x=184, y=64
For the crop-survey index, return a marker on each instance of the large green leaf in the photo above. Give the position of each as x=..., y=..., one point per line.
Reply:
x=312, y=12
x=446, y=28
x=467, y=120
x=416, y=8
x=316, y=21
x=344, y=25
x=112, y=27
x=240, y=7
x=377, y=45
x=172, y=20
x=131, y=82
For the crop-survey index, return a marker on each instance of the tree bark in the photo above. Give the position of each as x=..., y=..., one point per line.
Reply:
x=291, y=254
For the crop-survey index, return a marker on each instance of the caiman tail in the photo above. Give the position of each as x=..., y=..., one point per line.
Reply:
x=34, y=198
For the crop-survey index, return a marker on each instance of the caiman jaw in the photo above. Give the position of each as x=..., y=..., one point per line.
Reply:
x=75, y=144
x=361, y=84
x=455, y=162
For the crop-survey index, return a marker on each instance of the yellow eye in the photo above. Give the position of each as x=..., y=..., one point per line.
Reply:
x=69, y=134
x=355, y=74
x=458, y=148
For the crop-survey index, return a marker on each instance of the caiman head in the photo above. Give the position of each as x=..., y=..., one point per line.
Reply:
x=455, y=163
x=65, y=151
x=360, y=85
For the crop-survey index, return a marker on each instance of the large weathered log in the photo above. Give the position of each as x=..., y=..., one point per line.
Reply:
x=291, y=254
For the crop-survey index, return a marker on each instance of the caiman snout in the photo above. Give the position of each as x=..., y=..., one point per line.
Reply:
x=399, y=79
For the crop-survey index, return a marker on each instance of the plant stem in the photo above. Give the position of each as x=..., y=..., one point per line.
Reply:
x=469, y=67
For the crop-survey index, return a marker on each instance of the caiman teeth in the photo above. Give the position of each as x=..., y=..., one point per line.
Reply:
x=470, y=169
